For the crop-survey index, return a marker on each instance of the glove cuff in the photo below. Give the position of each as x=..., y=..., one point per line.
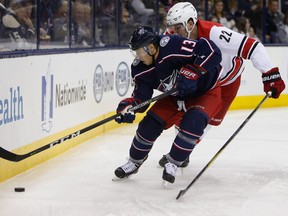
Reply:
x=271, y=75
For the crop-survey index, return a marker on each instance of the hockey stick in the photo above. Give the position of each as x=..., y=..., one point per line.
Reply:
x=182, y=192
x=8, y=155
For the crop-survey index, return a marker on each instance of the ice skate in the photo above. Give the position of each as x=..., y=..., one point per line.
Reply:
x=169, y=173
x=127, y=169
x=164, y=161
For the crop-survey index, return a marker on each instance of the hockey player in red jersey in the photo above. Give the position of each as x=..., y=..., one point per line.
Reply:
x=182, y=19
x=162, y=63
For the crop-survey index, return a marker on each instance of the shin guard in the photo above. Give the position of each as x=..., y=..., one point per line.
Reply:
x=192, y=126
x=148, y=131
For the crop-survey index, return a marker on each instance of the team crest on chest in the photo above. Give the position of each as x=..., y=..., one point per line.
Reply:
x=164, y=41
x=169, y=82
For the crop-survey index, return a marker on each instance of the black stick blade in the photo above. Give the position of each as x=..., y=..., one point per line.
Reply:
x=7, y=155
x=181, y=193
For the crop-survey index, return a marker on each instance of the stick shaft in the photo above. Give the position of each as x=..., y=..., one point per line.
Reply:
x=5, y=154
x=182, y=192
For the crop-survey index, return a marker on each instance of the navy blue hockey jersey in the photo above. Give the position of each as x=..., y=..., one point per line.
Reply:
x=175, y=52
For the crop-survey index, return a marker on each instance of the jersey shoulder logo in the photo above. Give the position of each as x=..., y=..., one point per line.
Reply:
x=136, y=62
x=164, y=41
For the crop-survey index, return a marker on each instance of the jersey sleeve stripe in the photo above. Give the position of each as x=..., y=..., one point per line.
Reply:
x=247, y=47
x=143, y=72
x=234, y=72
x=241, y=47
x=174, y=55
x=218, y=79
x=252, y=49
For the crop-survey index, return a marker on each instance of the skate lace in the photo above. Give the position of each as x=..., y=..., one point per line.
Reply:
x=171, y=168
x=129, y=167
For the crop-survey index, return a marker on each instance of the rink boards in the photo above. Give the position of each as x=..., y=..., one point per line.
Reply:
x=44, y=98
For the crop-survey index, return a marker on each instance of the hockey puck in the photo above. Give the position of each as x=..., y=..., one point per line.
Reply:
x=19, y=189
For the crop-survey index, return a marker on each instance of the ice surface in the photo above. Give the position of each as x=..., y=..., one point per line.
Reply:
x=249, y=178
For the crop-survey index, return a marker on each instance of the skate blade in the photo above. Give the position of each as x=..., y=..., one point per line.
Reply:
x=116, y=179
x=165, y=184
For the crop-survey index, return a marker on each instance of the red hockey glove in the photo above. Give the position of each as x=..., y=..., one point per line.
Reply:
x=123, y=108
x=187, y=80
x=272, y=82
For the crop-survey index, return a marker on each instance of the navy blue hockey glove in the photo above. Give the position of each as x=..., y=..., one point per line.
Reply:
x=273, y=82
x=123, y=108
x=187, y=80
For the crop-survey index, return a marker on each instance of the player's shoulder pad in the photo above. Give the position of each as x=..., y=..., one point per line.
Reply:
x=9, y=21
x=136, y=67
x=164, y=40
x=135, y=62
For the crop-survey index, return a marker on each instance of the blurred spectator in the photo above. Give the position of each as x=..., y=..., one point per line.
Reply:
x=128, y=24
x=282, y=32
x=43, y=34
x=273, y=21
x=87, y=21
x=46, y=9
x=60, y=23
x=251, y=33
x=162, y=17
x=81, y=25
x=62, y=9
x=87, y=15
x=274, y=13
x=219, y=15
x=125, y=15
x=82, y=32
x=233, y=9
x=201, y=9
x=17, y=28
x=284, y=6
x=106, y=17
x=254, y=14
x=140, y=13
x=243, y=26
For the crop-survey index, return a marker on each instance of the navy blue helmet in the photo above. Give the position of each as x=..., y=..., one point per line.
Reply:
x=142, y=37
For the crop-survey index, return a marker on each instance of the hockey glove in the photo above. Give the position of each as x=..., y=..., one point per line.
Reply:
x=123, y=108
x=187, y=80
x=272, y=82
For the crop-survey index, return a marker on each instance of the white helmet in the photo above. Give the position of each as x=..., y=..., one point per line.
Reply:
x=182, y=12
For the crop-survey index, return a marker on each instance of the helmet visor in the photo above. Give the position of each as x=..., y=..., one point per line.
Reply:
x=139, y=53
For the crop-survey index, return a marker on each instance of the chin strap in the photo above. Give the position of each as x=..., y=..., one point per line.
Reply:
x=189, y=32
x=153, y=56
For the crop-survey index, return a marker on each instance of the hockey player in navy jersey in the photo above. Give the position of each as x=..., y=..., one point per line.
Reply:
x=163, y=63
